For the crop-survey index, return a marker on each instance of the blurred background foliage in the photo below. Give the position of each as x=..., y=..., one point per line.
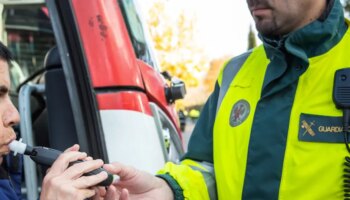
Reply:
x=346, y=4
x=173, y=30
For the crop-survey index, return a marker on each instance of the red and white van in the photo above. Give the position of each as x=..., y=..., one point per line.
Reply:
x=85, y=73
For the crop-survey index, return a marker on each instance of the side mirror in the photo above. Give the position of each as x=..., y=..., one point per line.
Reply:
x=177, y=90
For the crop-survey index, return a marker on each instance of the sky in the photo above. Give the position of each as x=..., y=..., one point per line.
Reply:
x=223, y=25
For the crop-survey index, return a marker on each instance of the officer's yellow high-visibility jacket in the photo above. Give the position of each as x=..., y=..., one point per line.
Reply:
x=272, y=131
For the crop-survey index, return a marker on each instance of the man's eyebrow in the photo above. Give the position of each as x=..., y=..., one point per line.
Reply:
x=3, y=89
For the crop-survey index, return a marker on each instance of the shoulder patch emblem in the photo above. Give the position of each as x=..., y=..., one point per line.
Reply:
x=239, y=112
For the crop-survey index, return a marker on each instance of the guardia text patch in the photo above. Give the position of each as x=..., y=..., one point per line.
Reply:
x=239, y=112
x=317, y=128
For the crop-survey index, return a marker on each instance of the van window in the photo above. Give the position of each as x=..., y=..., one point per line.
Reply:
x=138, y=34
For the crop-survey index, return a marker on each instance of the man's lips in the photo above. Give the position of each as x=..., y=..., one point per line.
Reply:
x=258, y=11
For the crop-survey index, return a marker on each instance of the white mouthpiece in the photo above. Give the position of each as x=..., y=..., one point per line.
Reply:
x=17, y=147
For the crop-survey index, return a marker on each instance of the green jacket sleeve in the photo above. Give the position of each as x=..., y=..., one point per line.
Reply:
x=192, y=179
x=200, y=146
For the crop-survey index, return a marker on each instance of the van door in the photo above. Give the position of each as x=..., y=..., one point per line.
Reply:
x=106, y=87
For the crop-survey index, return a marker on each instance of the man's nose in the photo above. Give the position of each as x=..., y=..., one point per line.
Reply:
x=11, y=117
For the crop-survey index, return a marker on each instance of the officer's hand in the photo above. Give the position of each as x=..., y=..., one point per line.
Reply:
x=63, y=182
x=134, y=184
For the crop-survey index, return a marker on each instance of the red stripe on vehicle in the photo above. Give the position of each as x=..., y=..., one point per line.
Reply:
x=135, y=101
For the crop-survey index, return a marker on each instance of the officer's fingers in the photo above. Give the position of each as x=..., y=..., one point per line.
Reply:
x=124, y=172
x=89, y=181
x=62, y=162
x=112, y=193
x=100, y=193
x=124, y=195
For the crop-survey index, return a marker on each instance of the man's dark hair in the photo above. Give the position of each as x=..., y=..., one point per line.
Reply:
x=5, y=53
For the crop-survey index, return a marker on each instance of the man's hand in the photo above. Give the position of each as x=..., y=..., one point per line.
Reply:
x=64, y=182
x=135, y=184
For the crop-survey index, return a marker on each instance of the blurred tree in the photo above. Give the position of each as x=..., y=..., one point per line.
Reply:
x=173, y=32
x=251, y=38
x=213, y=73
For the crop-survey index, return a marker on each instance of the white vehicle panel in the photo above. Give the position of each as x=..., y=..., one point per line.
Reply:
x=131, y=138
